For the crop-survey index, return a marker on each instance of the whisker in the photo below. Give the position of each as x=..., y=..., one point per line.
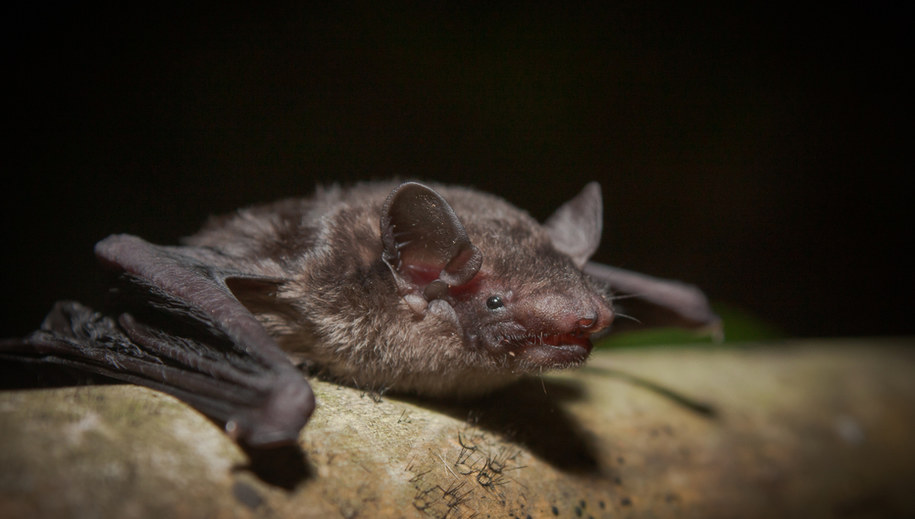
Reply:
x=626, y=316
x=620, y=297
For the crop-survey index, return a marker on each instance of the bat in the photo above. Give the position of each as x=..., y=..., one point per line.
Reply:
x=434, y=290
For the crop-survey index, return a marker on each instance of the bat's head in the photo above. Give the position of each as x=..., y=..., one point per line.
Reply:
x=532, y=317
x=512, y=288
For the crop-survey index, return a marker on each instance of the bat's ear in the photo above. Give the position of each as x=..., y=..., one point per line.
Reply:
x=575, y=227
x=425, y=244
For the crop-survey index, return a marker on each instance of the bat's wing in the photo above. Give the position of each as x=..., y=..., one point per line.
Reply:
x=186, y=335
x=654, y=301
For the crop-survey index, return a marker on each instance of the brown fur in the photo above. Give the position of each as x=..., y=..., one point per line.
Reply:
x=338, y=304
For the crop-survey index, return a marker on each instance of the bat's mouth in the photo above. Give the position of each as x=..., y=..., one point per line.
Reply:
x=552, y=350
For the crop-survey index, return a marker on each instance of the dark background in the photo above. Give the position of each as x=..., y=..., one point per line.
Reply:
x=758, y=150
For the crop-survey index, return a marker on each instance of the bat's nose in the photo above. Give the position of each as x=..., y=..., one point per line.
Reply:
x=596, y=320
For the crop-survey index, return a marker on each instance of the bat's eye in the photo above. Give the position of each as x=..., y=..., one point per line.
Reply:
x=494, y=302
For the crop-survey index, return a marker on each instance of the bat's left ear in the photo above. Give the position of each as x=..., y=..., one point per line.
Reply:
x=425, y=244
x=575, y=227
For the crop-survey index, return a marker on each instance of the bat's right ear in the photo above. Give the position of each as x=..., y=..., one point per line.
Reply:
x=425, y=244
x=575, y=227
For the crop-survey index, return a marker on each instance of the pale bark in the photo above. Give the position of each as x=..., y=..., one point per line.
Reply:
x=803, y=429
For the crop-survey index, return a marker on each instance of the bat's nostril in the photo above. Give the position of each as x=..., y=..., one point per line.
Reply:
x=586, y=323
x=596, y=320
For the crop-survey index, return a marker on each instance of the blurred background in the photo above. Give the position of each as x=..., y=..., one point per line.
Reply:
x=757, y=150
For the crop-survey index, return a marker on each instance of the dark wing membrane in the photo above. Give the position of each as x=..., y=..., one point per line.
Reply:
x=187, y=336
x=654, y=302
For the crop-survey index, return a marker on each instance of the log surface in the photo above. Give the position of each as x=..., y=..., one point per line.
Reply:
x=816, y=428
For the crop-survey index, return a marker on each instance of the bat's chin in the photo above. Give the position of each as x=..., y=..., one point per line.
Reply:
x=553, y=351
